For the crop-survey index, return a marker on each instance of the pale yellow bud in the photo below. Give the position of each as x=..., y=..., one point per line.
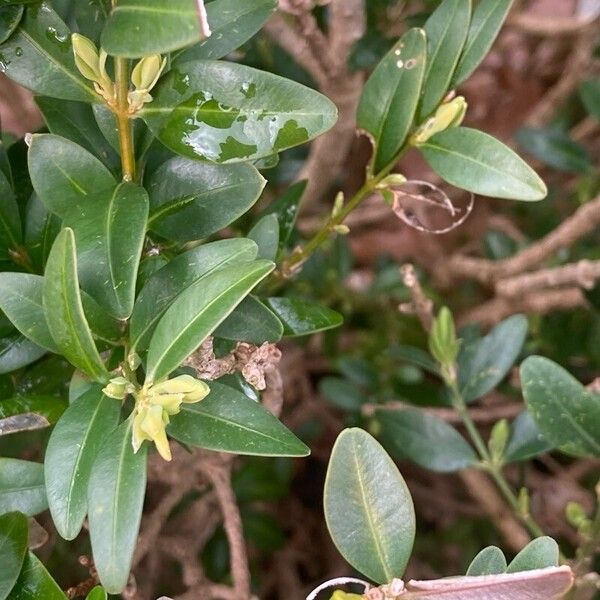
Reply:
x=118, y=388
x=449, y=114
x=86, y=55
x=153, y=426
x=146, y=73
x=192, y=389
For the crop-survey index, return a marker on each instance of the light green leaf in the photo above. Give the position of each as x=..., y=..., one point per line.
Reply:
x=424, y=439
x=479, y=163
x=391, y=95
x=39, y=56
x=240, y=114
x=22, y=487
x=251, y=322
x=446, y=31
x=13, y=547
x=368, y=508
x=98, y=593
x=540, y=553
x=71, y=451
x=303, y=318
x=17, y=351
x=115, y=498
x=64, y=311
x=197, y=312
x=567, y=414
x=190, y=200
x=488, y=17
x=35, y=582
x=170, y=281
x=228, y=421
x=490, y=561
x=266, y=235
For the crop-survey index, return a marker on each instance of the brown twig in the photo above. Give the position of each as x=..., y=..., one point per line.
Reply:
x=420, y=305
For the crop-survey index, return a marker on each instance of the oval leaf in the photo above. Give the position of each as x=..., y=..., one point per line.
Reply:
x=35, y=582
x=526, y=439
x=228, y=421
x=490, y=561
x=13, y=547
x=98, y=593
x=22, y=487
x=368, y=508
x=10, y=17
x=303, y=318
x=540, y=553
x=251, y=322
x=240, y=114
x=17, y=351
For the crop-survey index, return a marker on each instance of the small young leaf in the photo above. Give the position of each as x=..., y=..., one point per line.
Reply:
x=22, y=487
x=228, y=421
x=390, y=97
x=98, y=593
x=479, y=163
x=13, y=547
x=286, y=208
x=490, y=561
x=368, y=508
x=303, y=318
x=266, y=235
x=540, y=553
x=115, y=499
x=35, y=582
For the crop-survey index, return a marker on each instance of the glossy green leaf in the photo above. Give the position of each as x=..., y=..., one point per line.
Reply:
x=65, y=174
x=10, y=223
x=490, y=561
x=115, y=498
x=98, y=593
x=197, y=312
x=22, y=487
x=224, y=112
x=526, y=440
x=228, y=421
x=556, y=149
x=76, y=122
x=303, y=318
x=13, y=547
x=391, y=95
x=251, y=322
x=368, y=508
x=424, y=439
x=485, y=362
x=35, y=582
x=138, y=28
x=488, y=17
x=286, y=209
x=64, y=311
x=479, y=163
x=567, y=414
x=590, y=96
x=39, y=56
x=446, y=32
x=540, y=553
x=91, y=16
x=10, y=17
x=110, y=229
x=21, y=301
x=266, y=235
x=170, y=281
x=41, y=229
x=28, y=413
x=71, y=451
x=190, y=200
x=232, y=23
x=17, y=351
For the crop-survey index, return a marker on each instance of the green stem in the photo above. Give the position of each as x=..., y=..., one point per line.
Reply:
x=586, y=551
x=123, y=119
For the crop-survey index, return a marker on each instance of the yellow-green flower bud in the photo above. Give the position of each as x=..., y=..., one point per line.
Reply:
x=192, y=389
x=148, y=424
x=448, y=114
x=87, y=58
x=443, y=344
x=499, y=439
x=146, y=73
x=118, y=388
x=390, y=181
x=339, y=595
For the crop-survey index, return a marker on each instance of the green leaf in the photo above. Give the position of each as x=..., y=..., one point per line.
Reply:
x=490, y=561
x=10, y=222
x=540, y=553
x=266, y=235
x=91, y=16
x=479, y=163
x=488, y=17
x=22, y=487
x=589, y=92
x=28, y=413
x=76, y=122
x=71, y=451
x=41, y=229
x=64, y=311
x=21, y=301
x=567, y=414
x=368, y=508
x=446, y=32
x=35, y=582
x=110, y=229
x=485, y=362
x=190, y=200
x=64, y=174
x=232, y=23
x=555, y=148
x=39, y=56
x=224, y=112
x=98, y=593
x=303, y=318
x=10, y=17
x=17, y=351
x=526, y=440
x=391, y=95
x=228, y=421
x=424, y=439
x=138, y=28
x=115, y=498
x=13, y=547
x=286, y=208
x=251, y=322
x=342, y=393
x=197, y=312
x=168, y=283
